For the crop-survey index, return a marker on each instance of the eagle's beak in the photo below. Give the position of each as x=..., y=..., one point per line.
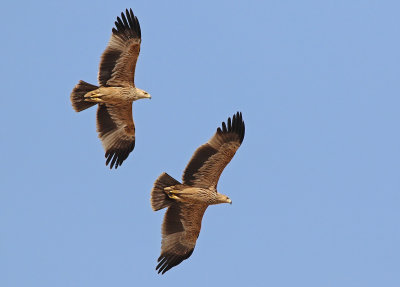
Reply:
x=229, y=201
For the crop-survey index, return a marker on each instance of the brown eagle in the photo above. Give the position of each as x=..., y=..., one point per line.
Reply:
x=116, y=90
x=188, y=201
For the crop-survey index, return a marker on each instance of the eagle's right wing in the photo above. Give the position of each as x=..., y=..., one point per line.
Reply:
x=116, y=131
x=180, y=229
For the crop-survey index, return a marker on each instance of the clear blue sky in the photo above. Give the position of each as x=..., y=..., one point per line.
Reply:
x=315, y=185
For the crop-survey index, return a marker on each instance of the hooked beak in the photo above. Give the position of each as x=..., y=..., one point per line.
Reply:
x=229, y=201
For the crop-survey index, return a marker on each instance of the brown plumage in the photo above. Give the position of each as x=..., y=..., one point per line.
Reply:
x=188, y=201
x=116, y=90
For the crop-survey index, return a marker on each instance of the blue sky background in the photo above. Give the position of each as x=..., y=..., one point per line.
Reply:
x=315, y=185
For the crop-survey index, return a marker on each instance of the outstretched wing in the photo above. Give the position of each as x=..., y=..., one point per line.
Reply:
x=118, y=62
x=116, y=131
x=180, y=229
x=210, y=159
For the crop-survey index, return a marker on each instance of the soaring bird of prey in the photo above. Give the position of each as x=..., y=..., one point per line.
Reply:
x=188, y=201
x=116, y=90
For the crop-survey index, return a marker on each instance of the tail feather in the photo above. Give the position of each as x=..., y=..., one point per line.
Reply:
x=159, y=199
x=78, y=96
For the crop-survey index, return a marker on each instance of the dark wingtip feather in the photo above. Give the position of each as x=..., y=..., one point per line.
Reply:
x=224, y=130
x=129, y=25
x=126, y=25
x=234, y=125
x=167, y=261
x=116, y=157
x=119, y=24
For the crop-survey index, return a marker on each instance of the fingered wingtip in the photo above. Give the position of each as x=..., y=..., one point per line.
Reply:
x=234, y=124
x=127, y=24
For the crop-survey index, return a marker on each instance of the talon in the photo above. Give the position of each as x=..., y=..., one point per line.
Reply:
x=94, y=98
x=90, y=95
x=171, y=192
x=172, y=196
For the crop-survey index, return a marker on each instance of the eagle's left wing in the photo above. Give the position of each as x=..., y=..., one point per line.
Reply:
x=210, y=159
x=118, y=62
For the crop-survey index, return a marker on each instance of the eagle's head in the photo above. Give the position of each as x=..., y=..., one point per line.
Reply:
x=141, y=94
x=222, y=198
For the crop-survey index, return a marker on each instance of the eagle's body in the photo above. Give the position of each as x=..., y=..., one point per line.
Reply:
x=116, y=90
x=195, y=195
x=188, y=201
x=113, y=95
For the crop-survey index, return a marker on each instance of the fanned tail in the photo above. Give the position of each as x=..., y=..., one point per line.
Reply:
x=159, y=199
x=78, y=96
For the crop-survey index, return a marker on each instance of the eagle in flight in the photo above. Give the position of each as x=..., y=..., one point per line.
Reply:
x=116, y=90
x=188, y=201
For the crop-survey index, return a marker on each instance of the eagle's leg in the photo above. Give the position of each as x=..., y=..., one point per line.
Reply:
x=94, y=97
x=173, y=194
